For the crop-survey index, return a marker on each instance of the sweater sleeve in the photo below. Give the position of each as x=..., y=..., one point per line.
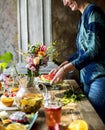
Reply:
x=73, y=57
x=95, y=42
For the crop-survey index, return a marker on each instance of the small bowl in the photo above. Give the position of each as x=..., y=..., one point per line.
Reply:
x=7, y=101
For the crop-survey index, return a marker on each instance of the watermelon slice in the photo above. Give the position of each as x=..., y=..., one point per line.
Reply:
x=47, y=77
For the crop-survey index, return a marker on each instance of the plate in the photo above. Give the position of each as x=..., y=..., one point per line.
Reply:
x=64, y=83
x=31, y=120
x=43, y=82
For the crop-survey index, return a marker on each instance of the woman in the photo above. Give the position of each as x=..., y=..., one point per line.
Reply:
x=90, y=56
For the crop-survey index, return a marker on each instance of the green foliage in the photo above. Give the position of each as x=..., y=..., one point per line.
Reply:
x=5, y=59
x=71, y=96
x=50, y=52
x=32, y=49
x=58, y=53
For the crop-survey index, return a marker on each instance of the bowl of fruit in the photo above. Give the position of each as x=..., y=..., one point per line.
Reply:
x=7, y=101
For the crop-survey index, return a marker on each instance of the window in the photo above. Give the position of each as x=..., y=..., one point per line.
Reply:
x=34, y=23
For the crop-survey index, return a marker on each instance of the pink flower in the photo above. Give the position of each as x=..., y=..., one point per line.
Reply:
x=29, y=59
x=43, y=48
x=37, y=56
x=27, y=66
x=33, y=68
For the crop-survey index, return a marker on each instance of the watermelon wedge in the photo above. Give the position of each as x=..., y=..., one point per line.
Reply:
x=47, y=77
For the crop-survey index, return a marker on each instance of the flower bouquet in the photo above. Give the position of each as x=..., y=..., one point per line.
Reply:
x=38, y=55
x=29, y=98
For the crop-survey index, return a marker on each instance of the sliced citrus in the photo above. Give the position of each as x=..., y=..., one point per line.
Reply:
x=47, y=77
x=17, y=126
x=15, y=89
x=7, y=101
x=78, y=125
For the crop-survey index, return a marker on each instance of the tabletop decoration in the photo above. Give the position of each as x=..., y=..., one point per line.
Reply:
x=29, y=97
x=37, y=56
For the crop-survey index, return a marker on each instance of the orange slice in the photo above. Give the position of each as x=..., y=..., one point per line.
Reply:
x=17, y=126
x=15, y=89
x=7, y=101
x=78, y=125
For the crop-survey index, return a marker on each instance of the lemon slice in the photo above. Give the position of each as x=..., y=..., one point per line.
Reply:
x=7, y=101
x=15, y=89
x=78, y=125
x=17, y=126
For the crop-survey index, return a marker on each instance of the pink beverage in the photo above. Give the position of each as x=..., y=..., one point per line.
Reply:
x=53, y=115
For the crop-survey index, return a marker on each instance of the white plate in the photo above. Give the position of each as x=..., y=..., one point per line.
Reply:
x=44, y=82
x=64, y=83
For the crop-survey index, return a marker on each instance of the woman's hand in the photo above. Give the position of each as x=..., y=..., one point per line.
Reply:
x=54, y=71
x=59, y=76
x=61, y=73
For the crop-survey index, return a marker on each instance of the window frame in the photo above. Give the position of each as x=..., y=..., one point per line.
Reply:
x=26, y=26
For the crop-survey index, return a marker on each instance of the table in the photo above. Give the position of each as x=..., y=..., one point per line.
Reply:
x=83, y=109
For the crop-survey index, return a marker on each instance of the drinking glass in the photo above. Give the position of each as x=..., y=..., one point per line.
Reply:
x=53, y=114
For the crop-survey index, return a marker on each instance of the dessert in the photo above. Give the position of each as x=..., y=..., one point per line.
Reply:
x=3, y=115
x=19, y=116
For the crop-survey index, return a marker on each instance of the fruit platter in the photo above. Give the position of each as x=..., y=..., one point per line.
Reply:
x=11, y=117
x=15, y=120
x=46, y=79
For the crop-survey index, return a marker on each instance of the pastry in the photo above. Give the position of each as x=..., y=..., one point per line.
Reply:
x=19, y=116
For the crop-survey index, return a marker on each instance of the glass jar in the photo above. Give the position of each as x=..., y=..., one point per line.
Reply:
x=29, y=99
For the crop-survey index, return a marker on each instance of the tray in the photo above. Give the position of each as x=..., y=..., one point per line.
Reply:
x=31, y=120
